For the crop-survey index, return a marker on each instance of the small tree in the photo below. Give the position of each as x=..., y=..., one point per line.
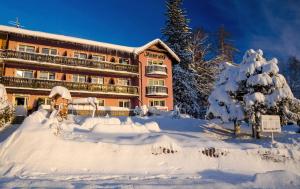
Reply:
x=292, y=75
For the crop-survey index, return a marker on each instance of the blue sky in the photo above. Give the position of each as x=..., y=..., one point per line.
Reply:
x=272, y=25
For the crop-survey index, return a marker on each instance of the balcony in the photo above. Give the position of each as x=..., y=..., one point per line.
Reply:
x=156, y=91
x=67, y=61
x=38, y=84
x=157, y=70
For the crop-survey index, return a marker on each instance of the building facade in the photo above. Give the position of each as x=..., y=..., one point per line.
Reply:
x=120, y=77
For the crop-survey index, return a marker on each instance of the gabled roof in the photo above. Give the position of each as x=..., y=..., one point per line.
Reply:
x=136, y=50
x=154, y=42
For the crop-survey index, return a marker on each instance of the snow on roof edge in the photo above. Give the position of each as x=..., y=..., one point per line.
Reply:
x=153, y=42
x=135, y=50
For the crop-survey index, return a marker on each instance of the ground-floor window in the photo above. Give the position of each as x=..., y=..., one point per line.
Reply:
x=157, y=102
x=101, y=102
x=124, y=103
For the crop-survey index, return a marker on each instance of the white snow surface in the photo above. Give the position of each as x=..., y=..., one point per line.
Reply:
x=166, y=152
x=61, y=91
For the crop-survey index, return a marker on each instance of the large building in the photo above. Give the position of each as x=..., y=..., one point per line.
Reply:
x=121, y=77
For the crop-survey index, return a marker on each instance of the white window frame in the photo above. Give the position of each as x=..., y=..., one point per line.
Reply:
x=99, y=57
x=26, y=48
x=98, y=80
x=50, y=49
x=79, y=55
x=121, y=82
x=151, y=61
x=23, y=75
x=158, y=102
x=78, y=78
x=157, y=81
x=123, y=101
x=48, y=74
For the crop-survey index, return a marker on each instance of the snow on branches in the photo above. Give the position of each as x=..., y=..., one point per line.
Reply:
x=253, y=88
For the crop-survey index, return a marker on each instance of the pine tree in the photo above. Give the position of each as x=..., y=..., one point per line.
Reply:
x=226, y=49
x=177, y=36
x=177, y=33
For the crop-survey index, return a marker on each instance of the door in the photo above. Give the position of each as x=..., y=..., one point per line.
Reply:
x=21, y=106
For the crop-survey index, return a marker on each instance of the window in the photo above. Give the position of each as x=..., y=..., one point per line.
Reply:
x=79, y=78
x=156, y=102
x=24, y=73
x=97, y=80
x=155, y=62
x=156, y=82
x=47, y=75
x=124, y=82
x=98, y=57
x=101, y=102
x=124, y=103
x=80, y=55
x=123, y=60
x=49, y=51
x=27, y=48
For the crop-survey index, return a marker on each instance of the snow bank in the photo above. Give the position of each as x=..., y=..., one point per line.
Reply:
x=62, y=91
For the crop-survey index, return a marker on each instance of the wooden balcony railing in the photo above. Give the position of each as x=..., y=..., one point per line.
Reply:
x=49, y=84
x=62, y=60
x=156, y=70
x=157, y=90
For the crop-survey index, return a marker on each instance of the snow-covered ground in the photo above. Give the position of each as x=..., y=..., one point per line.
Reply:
x=145, y=152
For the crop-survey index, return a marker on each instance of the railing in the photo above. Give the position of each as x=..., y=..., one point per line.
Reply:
x=49, y=84
x=157, y=90
x=69, y=61
x=156, y=69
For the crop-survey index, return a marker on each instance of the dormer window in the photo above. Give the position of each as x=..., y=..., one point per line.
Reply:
x=80, y=55
x=155, y=62
x=26, y=48
x=49, y=51
x=123, y=60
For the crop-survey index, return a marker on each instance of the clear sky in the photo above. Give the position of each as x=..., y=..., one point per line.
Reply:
x=272, y=25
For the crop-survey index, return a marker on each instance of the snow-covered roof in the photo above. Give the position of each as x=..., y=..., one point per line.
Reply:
x=135, y=50
x=156, y=41
x=61, y=91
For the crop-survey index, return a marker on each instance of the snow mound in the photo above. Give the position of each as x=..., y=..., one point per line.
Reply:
x=90, y=123
x=61, y=91
x=276, y=179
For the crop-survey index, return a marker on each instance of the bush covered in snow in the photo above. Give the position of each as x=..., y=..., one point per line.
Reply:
x=6, y=109
x=253, y=88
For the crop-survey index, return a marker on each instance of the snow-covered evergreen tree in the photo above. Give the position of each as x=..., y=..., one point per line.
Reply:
x=177, y=36
x=177, y=33
x=226, y=98
x=256, y=88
